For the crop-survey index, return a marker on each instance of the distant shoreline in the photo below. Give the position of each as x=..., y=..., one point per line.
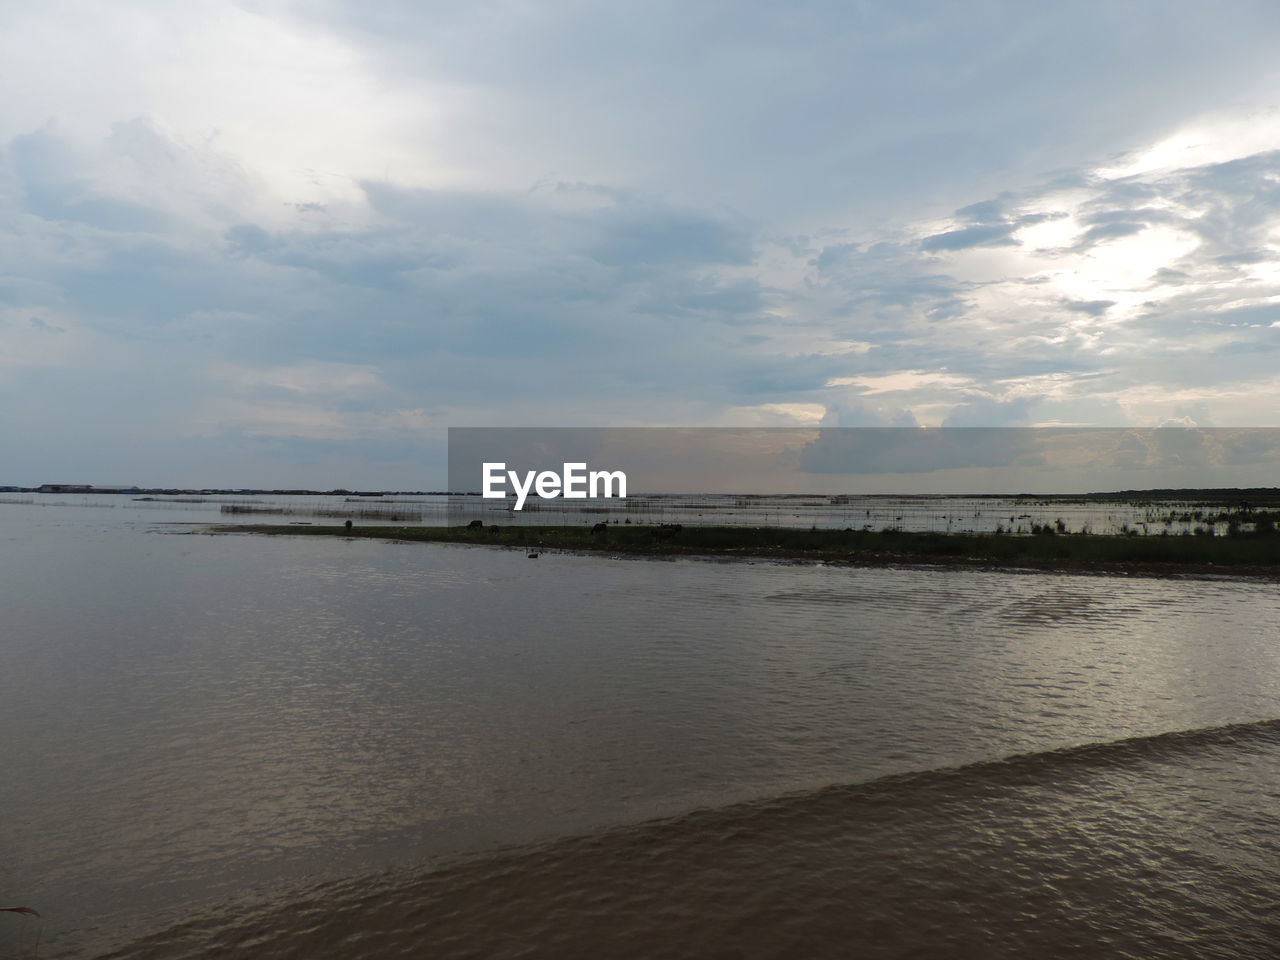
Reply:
x=1151, y=556
x=1208, y=496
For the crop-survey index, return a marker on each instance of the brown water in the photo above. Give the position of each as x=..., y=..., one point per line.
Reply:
x=230, y=746
x=1159, y=847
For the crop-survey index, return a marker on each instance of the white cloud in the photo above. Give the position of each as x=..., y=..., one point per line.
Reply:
x=901, y=381
x=361, y=224
x=1211, y=139
x=774, y=415
x=297, y=105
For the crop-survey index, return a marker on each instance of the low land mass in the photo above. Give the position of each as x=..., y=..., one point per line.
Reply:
x=1251, y=554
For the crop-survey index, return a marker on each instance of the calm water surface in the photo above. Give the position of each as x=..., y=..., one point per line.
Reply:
x=234, y=746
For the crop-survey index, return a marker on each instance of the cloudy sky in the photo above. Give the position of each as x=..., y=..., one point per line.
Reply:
x=283, y=243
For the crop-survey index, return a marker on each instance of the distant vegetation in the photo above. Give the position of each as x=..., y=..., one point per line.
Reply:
x=1259, y=547
x=1217, y=496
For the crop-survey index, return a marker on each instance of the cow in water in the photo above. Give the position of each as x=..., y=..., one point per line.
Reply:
x=475, y=525
x=600, y=527
x=667, y=531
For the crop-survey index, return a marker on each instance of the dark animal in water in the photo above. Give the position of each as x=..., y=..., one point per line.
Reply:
x=601, y=527
x=533, y=556
x=347, y=524
x=475, y=524
x=667, y=531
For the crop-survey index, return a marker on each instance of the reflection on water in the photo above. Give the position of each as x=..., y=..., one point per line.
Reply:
x=1153, y=847
x=195, y=720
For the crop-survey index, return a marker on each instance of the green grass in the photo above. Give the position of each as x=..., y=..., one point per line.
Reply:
x=1048, y=550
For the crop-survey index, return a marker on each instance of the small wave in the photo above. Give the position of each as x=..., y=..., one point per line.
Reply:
x=1085, y=851
x=1050, y=765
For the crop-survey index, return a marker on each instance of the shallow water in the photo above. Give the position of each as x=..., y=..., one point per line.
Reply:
x=1156, y=847
x=956, y=514
x=201, y=729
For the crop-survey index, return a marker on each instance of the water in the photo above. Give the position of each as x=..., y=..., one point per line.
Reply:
x=955, y=514
x=239, y=746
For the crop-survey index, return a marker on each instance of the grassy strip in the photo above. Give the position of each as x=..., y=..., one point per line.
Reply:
x=1045, y=550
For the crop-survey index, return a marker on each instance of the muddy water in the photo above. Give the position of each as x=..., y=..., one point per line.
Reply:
x=270, y=747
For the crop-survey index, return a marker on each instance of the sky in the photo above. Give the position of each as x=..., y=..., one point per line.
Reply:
x=288, y=244
x=857, y=460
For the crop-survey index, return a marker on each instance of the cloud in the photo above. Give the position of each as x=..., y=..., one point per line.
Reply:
x=52, y=190
x=1106, y=231
x=1094, y=308
x=913, y=451
x=861, y=107
x=980, y=411
x=476, y=301
x=299, y=225
x=982, y=235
